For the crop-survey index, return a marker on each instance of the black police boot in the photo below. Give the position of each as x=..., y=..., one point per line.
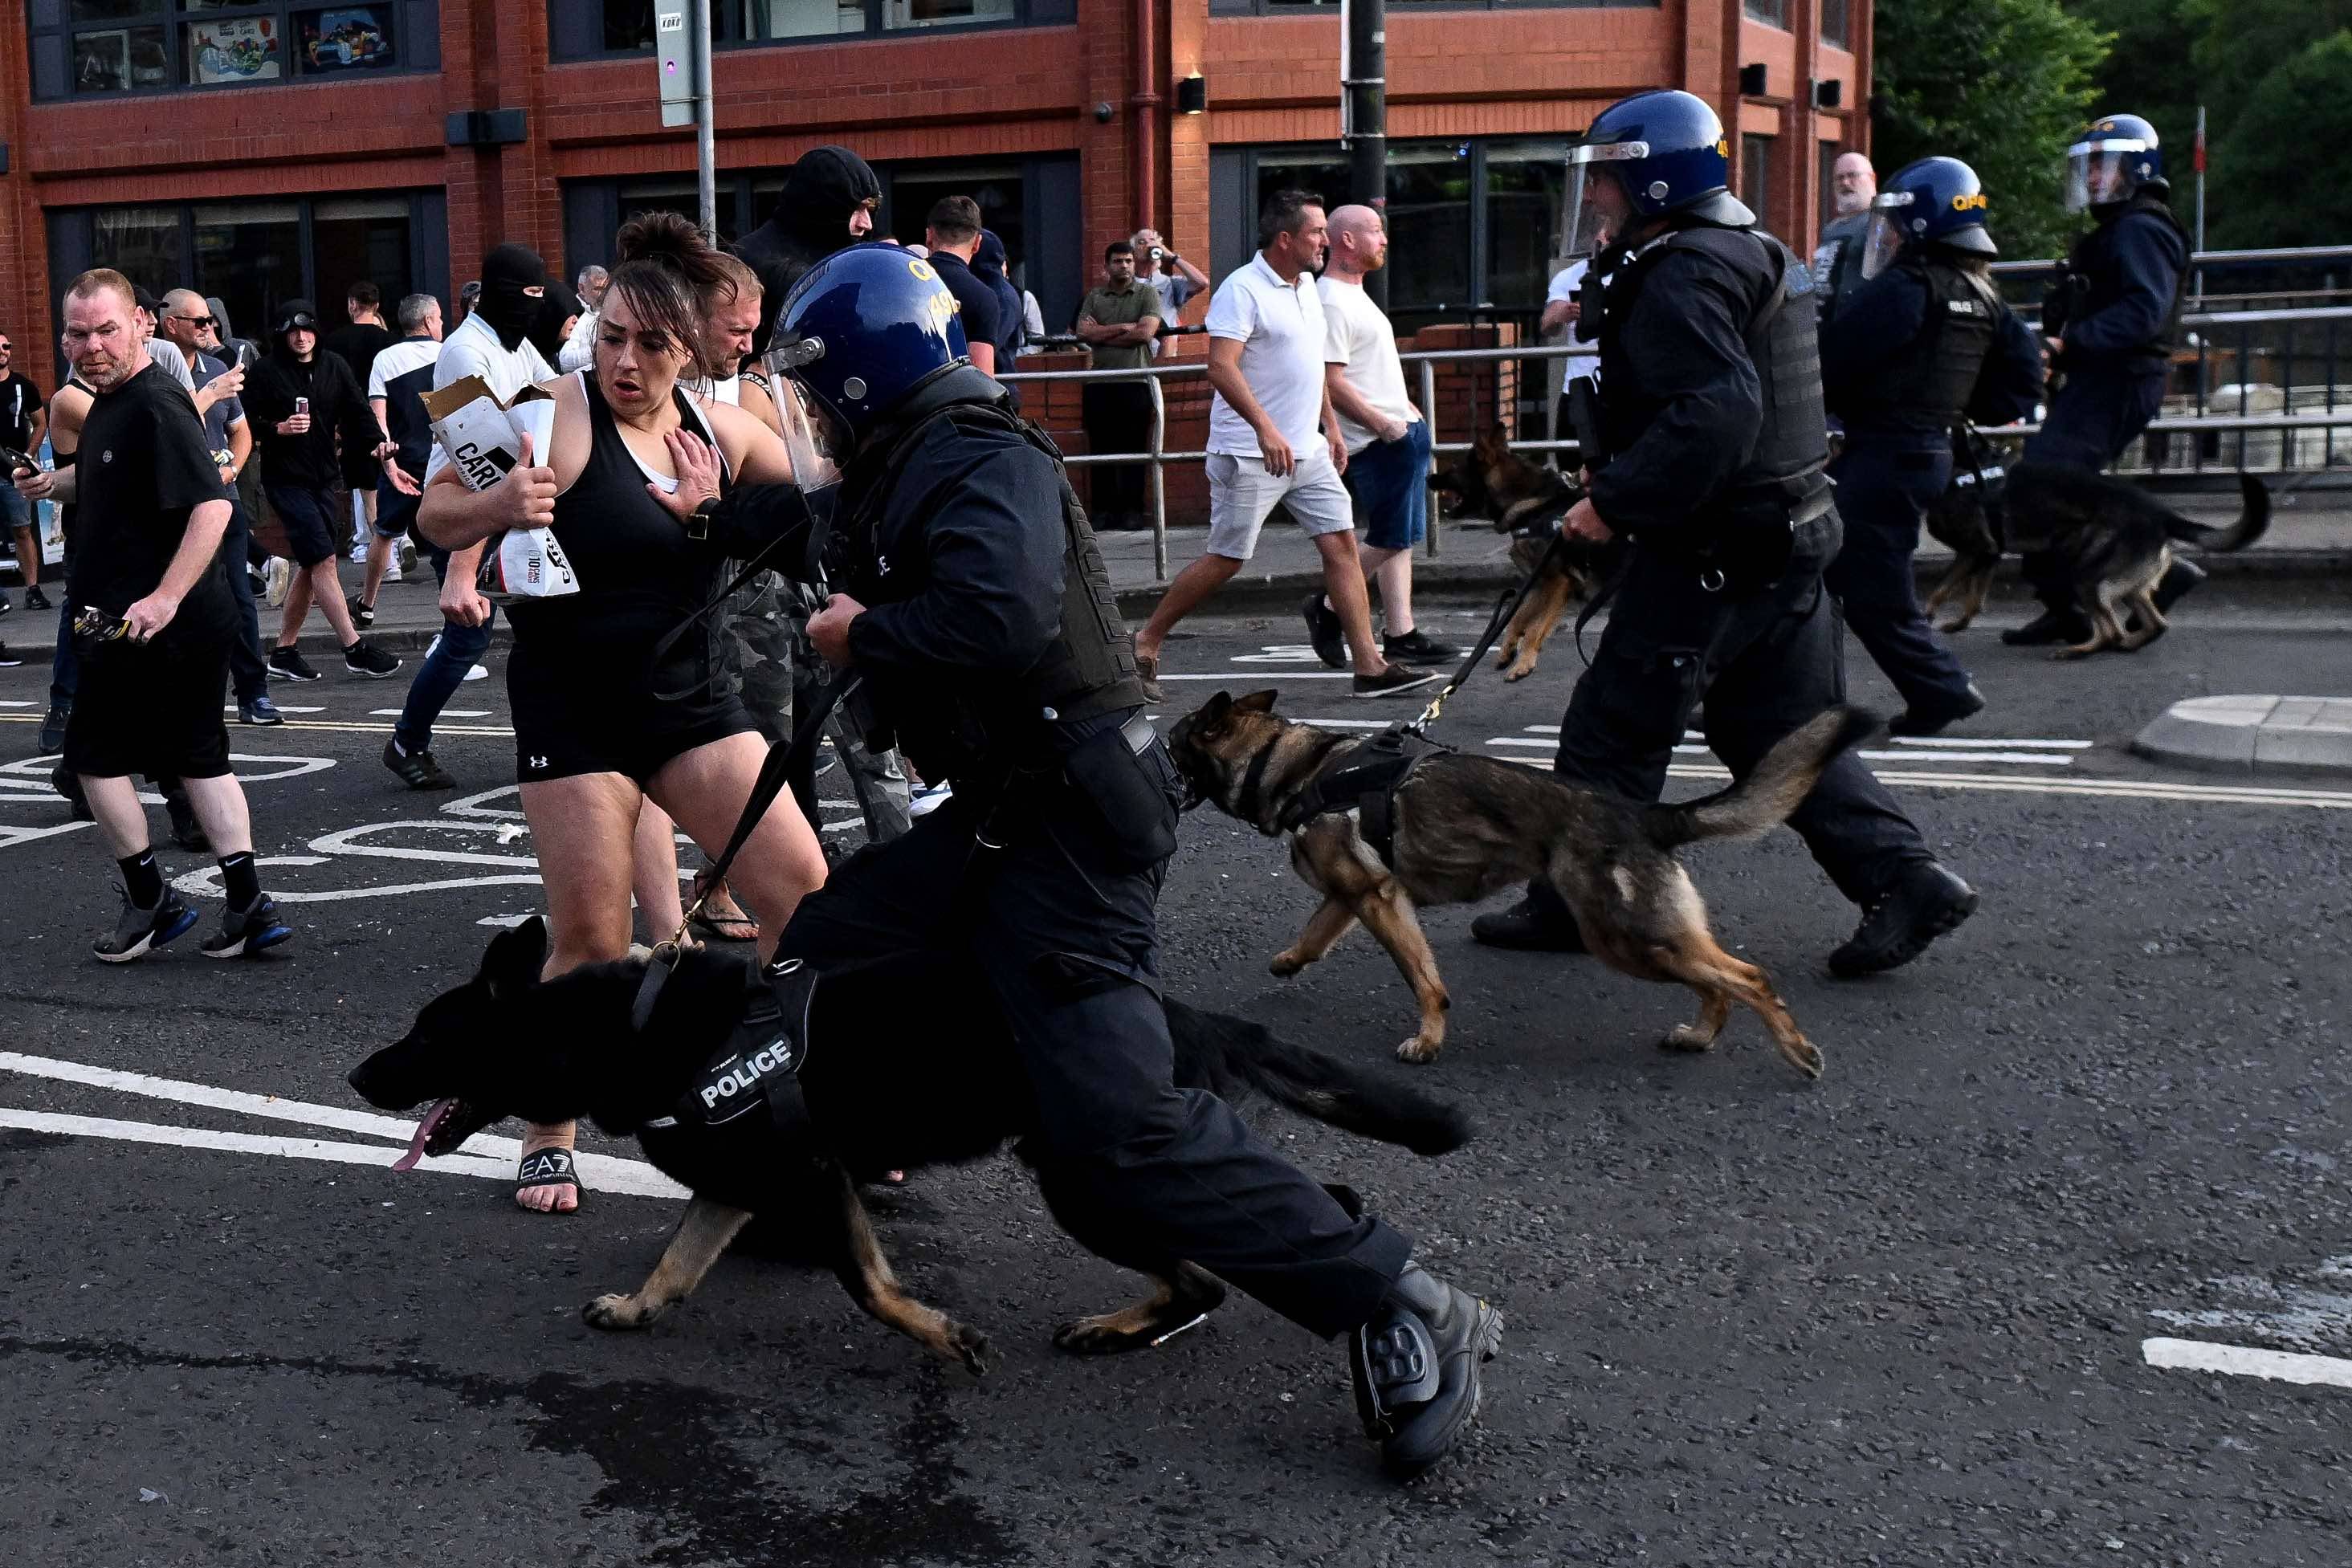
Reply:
x=1538, y=923
x=2066, y=625
x=1897, y=925
x=1933, y=720
x=1415, y=1368
x=2178, y=580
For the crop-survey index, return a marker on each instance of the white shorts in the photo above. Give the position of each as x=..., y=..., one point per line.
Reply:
x=1241, y=494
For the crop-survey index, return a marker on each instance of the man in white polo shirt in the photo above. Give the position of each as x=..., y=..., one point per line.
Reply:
x=1273, y=440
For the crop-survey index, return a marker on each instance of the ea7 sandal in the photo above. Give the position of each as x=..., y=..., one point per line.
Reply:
x=546, y=1167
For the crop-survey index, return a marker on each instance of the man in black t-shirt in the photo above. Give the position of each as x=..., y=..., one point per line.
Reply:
x=953, y=238
x=23, y=416
x=156, y=624
x=357, y=343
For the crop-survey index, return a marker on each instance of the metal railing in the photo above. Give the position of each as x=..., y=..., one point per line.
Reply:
x=2337, y=415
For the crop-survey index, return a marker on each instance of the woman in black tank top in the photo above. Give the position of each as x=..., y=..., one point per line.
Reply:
x=602, y=726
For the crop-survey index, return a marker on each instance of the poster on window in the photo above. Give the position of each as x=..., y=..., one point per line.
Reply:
x=243, y=51
x=102, y=61
x=348, y=37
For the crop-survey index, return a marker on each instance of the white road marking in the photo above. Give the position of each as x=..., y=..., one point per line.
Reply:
x=446, y=713
x=206, y=884
x=342, y=727
x=2195, y=794
x=11, y=837
x=508, y=920
x=1232, y=677
x=1280, y=653
x=2025, y=759
x=1963, y=742
x=12, y=704
x=2245, y=1360
x=282, y=707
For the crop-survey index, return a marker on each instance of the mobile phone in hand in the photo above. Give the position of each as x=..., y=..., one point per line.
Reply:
x=16, y=460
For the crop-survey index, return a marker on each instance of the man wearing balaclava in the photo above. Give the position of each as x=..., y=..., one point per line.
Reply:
x=298, y=398
x=493, y=343
x=828, y=204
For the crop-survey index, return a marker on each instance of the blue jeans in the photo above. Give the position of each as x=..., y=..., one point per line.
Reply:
x=248, y=674
x=1390, y=483
x=456, y=651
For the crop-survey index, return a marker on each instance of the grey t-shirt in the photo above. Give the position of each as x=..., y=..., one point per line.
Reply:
x=166, y=353
x=228, y=410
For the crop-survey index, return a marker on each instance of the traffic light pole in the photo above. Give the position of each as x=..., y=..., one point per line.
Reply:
x=1363, y=84
x=706, y=114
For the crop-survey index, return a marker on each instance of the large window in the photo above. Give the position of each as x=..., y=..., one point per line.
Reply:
x=1755, y=176
x=1837, y=23
x=583, y=29
x=1772, y=12
x=256, y=255
x=106, y=47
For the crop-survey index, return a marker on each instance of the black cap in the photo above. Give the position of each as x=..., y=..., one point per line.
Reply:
x=146, y=301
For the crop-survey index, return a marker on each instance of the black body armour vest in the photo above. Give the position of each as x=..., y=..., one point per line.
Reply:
x=1927, y=386
x=1784, y=468
x=2095, y=282
x=1088, y=671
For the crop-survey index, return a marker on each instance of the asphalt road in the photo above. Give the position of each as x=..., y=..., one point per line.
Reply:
x=1898, y=1316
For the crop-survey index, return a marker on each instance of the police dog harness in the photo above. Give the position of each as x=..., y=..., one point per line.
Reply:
x=759, y=1066
x=1362, y=778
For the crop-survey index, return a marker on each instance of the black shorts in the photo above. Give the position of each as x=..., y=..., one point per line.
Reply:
x=153, y=708
x=571, y=720
x=310, y=521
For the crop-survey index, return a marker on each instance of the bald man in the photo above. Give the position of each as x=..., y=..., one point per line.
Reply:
x=1387, y=474
x=1837, y=260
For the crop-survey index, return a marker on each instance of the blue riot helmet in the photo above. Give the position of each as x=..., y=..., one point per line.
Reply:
x=863, y=331
x=1645, y=157
x=2113, y=157
x=1936, y=201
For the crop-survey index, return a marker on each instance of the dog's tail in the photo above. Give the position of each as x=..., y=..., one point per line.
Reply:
x=1765, y=798
x=2254, y=520
x=1227, y=1054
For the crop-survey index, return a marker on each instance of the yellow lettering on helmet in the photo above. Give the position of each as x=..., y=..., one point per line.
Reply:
x=921, y=269
x=1968, y=204
x=1723, y=146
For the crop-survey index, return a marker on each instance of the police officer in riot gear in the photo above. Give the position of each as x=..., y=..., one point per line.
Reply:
x=2112, y=325
x=973, y=602
x=1922, y=345
x=1713, y=440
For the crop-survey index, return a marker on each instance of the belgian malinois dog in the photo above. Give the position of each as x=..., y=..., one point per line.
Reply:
x=1529, y=500
x=1466, y=828
x=2113, y=539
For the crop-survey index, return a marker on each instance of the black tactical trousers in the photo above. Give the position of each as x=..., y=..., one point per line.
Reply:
x=1141, y=1172
x=1765, y=662
x=1885, y=484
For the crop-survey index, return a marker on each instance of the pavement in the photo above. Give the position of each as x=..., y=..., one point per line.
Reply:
x=2048, y=1268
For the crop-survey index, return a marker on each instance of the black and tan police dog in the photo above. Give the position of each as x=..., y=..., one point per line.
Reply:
x=1464, y=827
x=2112, y=540
x=1527, y=500
x=908, y=1066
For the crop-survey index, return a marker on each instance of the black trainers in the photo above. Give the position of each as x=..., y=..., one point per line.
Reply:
x=1526, y=928
x=1897, y=925
x=36, y=599
x=288, y=663
x=186, y=831
x=53, y=730
x=1393, y=680
x=1419, y=646
x=136, y=930
x=416, y=769
x=5, y=605
x=248, y=933
x=1416, y=1365
x=363, y=614
x=364, y=658
x=9, y=661
x=1324, y=632
x=1913, y=721
x=2051, y=626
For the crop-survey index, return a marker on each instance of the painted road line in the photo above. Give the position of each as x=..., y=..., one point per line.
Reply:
x=598, y=1173
x=2023, y=758
x=446, y=713
x=12, y=704
x=282, y=707
x=355, y=728
x=2021, y=784
x=1232, y=677
x=1956, y=742
x=2245, y=1360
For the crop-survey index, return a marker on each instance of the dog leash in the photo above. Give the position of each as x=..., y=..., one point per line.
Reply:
x=1506, y=606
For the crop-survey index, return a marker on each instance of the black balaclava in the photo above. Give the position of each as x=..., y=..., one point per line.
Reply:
x=506, y=272
x=547, y=324
x=824, y=188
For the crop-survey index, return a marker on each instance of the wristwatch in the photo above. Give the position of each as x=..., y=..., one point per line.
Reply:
x=698, y=522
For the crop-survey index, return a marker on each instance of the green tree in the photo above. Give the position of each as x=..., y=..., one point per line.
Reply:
x=2002, y=84
x=2279, y=175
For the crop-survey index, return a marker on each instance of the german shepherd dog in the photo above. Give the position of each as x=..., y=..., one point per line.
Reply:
x=2113, y=539
x=903, y=1071
x=1469, y=827
x=1527, y=499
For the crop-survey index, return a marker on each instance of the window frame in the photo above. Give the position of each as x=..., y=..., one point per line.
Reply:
x=1331, y=7
x=415, y=42
x=1025, y=13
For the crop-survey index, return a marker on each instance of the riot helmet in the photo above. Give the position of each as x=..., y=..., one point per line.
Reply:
x=1936, y=201
x=2109, y=163
x=863, y=331
x=1645, y=157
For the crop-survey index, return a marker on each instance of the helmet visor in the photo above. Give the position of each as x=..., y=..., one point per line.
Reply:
x=2098, y=172
x=1883, y=241
x=808, y=436
x=1597, y=207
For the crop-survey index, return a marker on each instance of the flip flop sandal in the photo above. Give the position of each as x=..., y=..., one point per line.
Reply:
x=736, y=927
x=548, y=1167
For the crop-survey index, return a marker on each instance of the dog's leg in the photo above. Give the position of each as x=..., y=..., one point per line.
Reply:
x=1713, y=1012
x=2107, y=630
x=700, y=1238
x=1325, y=926
x=2152, y=623
x=1543, y=610
x=866, y=1274
x=1388, y=914
x=1179, y=1297
x=1699, y=962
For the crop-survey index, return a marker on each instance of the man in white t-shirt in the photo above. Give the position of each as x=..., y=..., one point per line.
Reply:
x=1273, y=440
x=1562, y=310
x=1388, y=443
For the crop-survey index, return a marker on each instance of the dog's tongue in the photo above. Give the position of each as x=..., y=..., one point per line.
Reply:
x=408, y=1162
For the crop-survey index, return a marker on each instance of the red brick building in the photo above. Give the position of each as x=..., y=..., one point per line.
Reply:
x=264, y=150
